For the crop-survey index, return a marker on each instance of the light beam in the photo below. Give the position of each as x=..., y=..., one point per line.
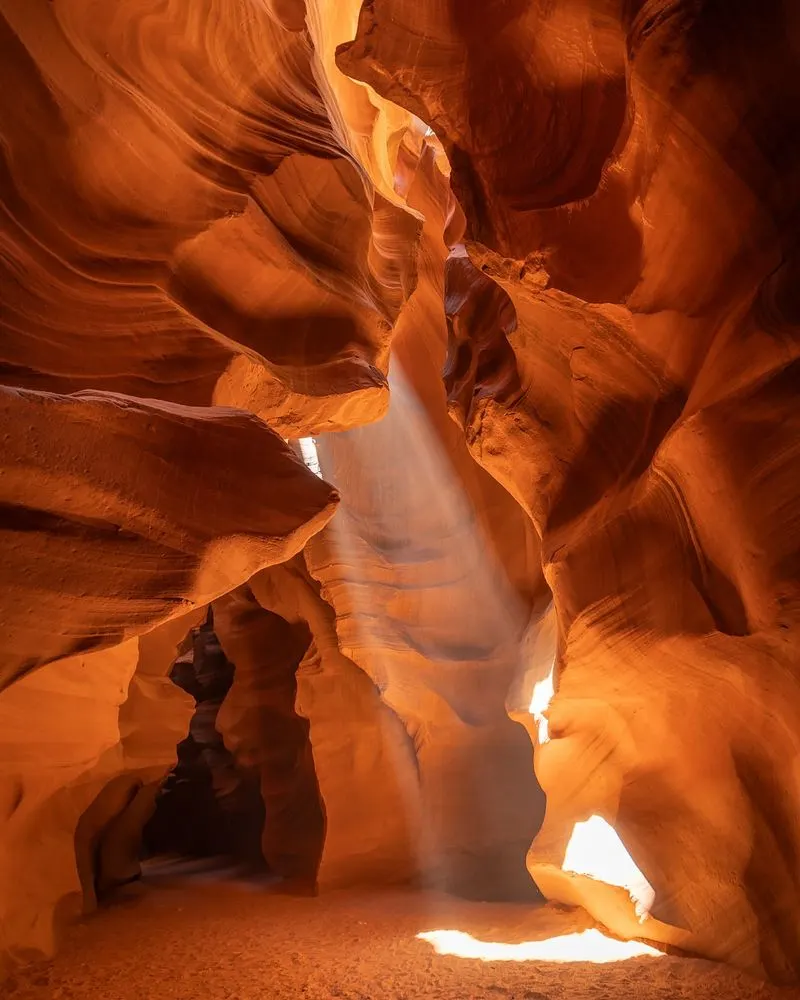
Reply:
x=308, y=449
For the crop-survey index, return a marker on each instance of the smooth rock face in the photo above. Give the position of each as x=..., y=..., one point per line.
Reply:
x=261, y=727
x=433, y=572
x=366, y=771
x=84, y=742
x=119, y=514
x=181, y=224
x=209, y=806
x=223, y=228
x=624, y=359
x=182, y=217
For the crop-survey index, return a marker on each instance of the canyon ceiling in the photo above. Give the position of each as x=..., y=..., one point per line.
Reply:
x=536, y=263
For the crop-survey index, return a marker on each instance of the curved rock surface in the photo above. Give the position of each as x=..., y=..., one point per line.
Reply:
x=261, y=727
x=208, y=806
x=433, y=574
x=363, y=759
x=182, y=218
x=119, y=514
x=84, y=743
x=624, y=359
x=282, y=207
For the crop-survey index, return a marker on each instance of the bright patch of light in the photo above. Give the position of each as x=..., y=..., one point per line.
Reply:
x=595, y=850
x=308, y=448
x=585, y=946
x=543, y=692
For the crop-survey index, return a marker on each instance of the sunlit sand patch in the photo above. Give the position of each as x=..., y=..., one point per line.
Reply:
x=585, y=946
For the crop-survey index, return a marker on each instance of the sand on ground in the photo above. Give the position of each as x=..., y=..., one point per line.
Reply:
x=202, y=937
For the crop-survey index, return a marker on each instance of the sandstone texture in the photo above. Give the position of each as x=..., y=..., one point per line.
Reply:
x=347, y=944
x=113, y=520
x=210, y=804
x=527, y=274
x=85, y=742
x=624, y=359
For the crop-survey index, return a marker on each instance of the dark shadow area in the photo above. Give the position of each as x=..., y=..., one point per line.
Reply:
x=208, y=806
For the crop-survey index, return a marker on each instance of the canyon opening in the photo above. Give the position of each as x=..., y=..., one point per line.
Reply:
x=399, y=499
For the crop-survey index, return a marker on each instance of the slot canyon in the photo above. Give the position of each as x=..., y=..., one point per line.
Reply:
x=399, y=499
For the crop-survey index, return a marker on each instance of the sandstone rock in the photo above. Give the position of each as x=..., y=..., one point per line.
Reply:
x=623, y=363
x=84, y=742
x=363, y=758
x=260, y=208
x=207, y=807
x=261, y=727
x=152, y=721
x=183, y=220
x=120, y=514
x=433, y=576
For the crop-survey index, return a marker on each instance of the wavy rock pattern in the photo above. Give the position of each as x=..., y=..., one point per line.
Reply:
x=363, y=760
x=624, y=359
x=208, y=806
x=414, y=567
x=119, y=514
x=181, y=219
x=182, y=223
x=84, y=743
x=260, y=725
x=243, y=209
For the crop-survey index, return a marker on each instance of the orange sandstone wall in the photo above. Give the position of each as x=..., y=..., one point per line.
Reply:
x=223, y=228
x=623, y=314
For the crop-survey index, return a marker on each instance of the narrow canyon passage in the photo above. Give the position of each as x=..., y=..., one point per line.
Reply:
x=399, y=499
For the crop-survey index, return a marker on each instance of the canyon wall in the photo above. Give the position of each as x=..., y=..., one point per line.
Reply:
x=623, y=314
x=225, y=228
x=261, y=727
x=162, y=175
x=210, y=804
x=85, y=742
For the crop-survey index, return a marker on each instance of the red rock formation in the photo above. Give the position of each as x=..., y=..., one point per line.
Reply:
x=181, y=218
x=208, y=806
x=245, y=207
x=119, y=514
x=152, y=720
x=363, y=758
x=415, y=569
x=624, y=360
x=261, y=727
x=84, y=742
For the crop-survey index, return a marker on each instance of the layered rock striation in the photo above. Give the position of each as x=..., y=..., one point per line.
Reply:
x=186, y=236
x=220, y=230
x=624, y=359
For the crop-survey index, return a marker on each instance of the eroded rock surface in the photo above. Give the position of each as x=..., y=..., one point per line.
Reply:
x=286, y=208
x=182, y=224
x=182, y=217
x=624, y=359
x=119, y=514
x=434, y=576
x=366, y=772
x=209, y=806
x=85, y=742
x=262, y=728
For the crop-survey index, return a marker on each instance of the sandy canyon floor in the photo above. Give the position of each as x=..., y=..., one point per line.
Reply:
x=201, y=937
